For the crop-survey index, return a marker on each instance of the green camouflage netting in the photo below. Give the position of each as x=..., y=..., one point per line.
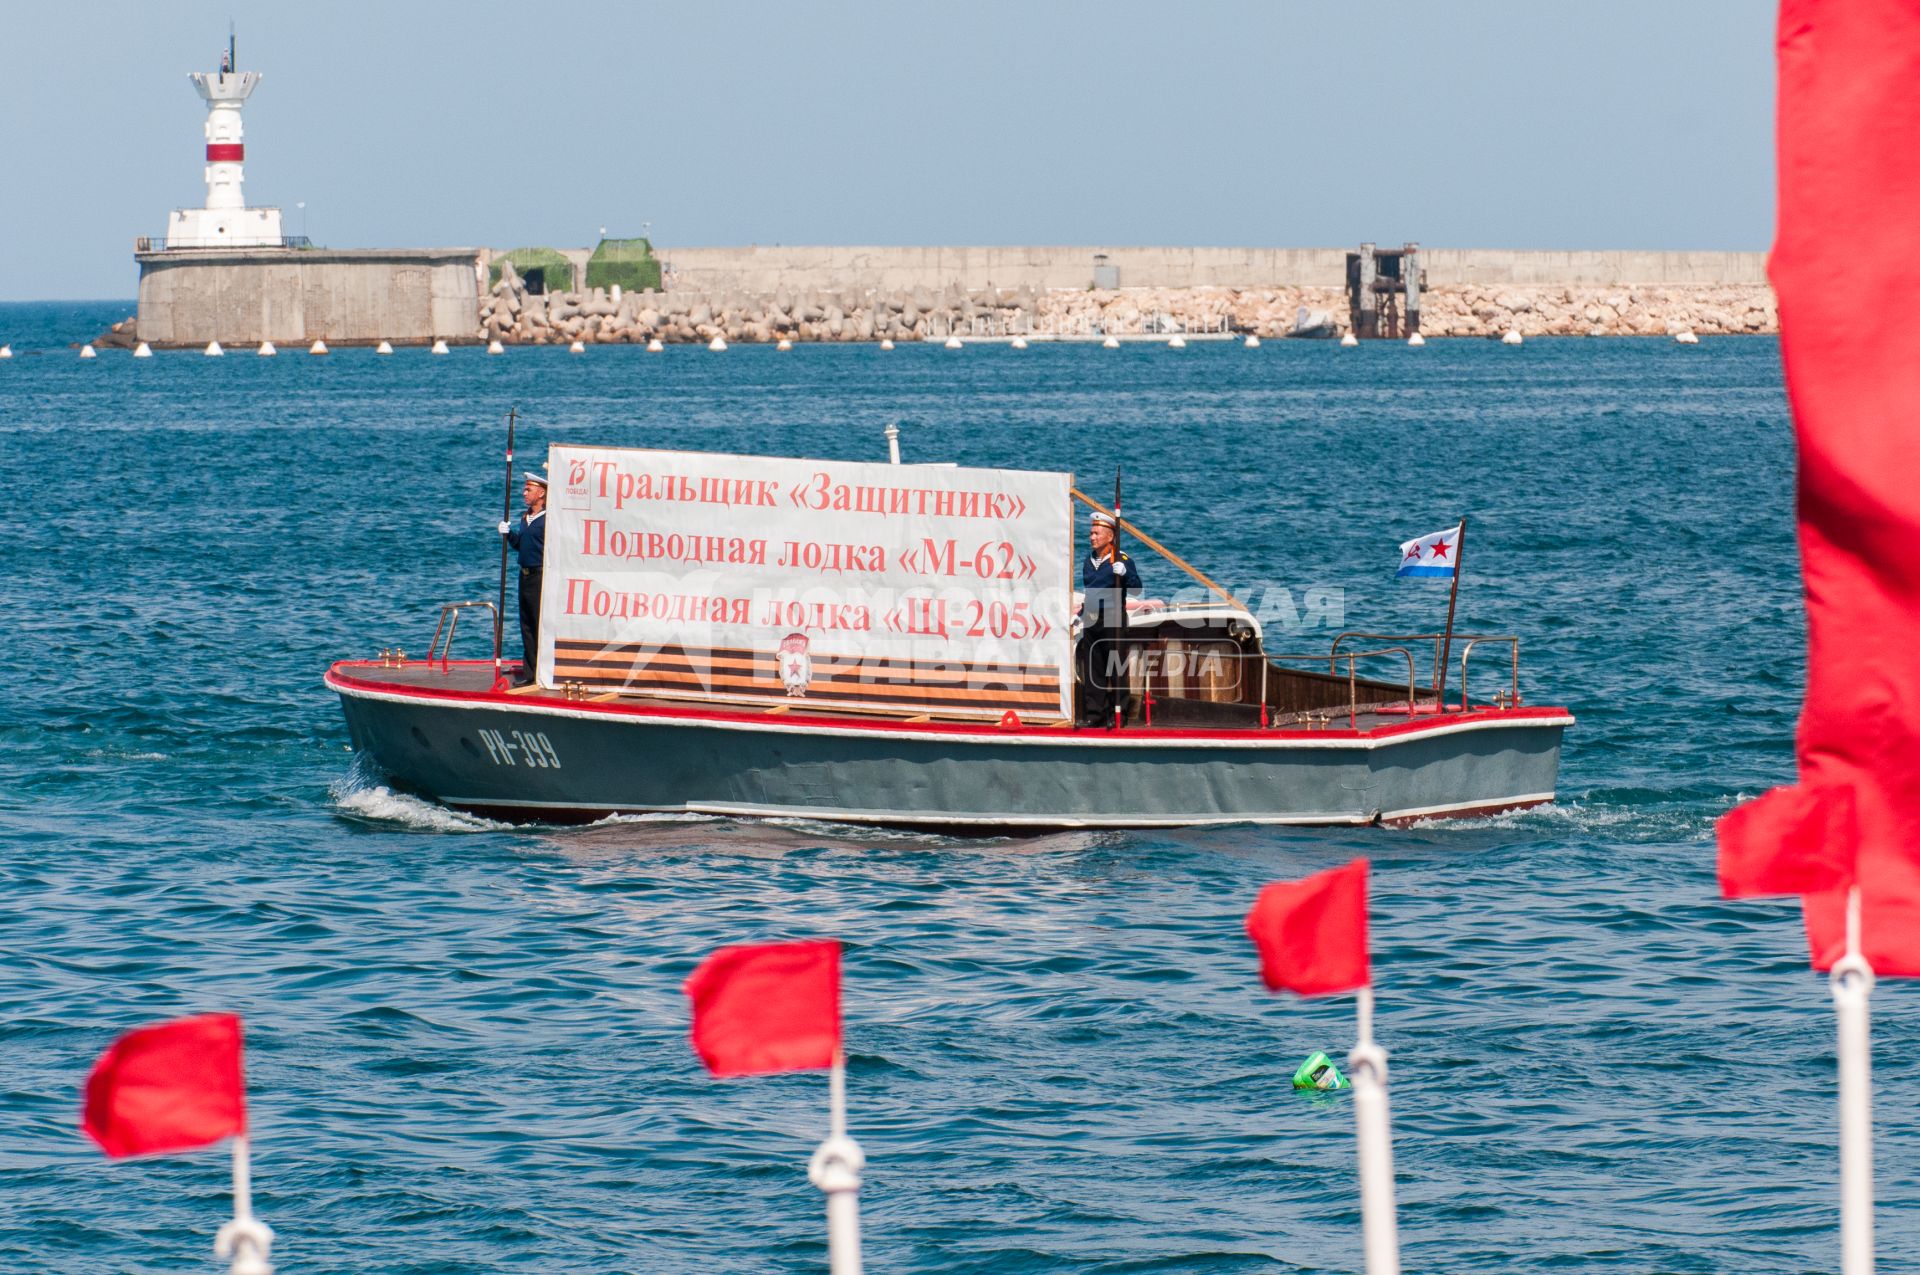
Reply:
x=627, y=262
x=557, y=270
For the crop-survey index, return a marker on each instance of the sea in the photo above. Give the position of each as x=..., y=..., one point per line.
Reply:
x=467, y=1041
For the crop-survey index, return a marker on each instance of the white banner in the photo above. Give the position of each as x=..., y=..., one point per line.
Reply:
x=926, y=588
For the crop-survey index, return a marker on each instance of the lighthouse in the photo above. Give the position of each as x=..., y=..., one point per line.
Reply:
x=226, y=221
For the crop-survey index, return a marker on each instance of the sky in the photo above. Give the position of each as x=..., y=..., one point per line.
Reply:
x=1456, y=123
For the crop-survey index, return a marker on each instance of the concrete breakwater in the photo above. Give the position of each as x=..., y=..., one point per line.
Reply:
x=512, y=315
x=415, y=296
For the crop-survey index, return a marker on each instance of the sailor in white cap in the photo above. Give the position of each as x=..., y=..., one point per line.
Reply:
x=1107, y=576
x=529, y=539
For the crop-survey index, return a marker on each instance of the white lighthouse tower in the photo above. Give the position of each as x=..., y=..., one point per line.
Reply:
x=226, y=221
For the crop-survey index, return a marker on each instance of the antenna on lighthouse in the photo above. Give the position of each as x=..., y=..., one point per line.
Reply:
x=233, y=54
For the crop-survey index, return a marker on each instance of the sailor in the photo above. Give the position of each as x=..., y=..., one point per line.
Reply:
x=530, y=540
x=1107, y=579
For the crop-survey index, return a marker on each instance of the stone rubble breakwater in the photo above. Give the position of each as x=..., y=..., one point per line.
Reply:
x=510, y=314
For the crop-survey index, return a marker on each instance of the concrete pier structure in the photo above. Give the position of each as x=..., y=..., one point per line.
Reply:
x=296, y=296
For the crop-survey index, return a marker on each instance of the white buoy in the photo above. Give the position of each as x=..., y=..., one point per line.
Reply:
x=1177, y=343
x=1512, y=338
x=266, y=350
x=1416, y=340
x=385, y=347
x=1252, y=342
x=1686, y=338
x=718, y=345
x=1018, y=343
x=318, y=347
x=1111, y=343
x=494, y=347
x=578, y=347
x=654, y=346
x=88, y=352
x=213, y=350
x=143, y=351
x=785, y=344
x=1349, y=340
x=953, y=343
x=886, y=343
x=440, y=346
x=6, y=351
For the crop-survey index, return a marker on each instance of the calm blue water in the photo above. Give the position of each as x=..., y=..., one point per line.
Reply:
x=467, y=1041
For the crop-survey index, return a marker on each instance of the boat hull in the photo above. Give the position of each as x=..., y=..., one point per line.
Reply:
x=548, y=759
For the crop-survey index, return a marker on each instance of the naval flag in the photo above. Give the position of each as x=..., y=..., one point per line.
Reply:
x=1431, y=556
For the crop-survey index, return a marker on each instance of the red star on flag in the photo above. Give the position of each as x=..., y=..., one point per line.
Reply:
x=1440, y=548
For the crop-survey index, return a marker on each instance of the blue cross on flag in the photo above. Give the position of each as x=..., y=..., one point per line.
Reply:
x=1431, y=556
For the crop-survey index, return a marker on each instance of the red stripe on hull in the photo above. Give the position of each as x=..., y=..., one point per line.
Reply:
x=340, y=674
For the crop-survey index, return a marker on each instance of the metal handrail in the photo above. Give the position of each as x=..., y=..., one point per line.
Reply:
x=1353, y=681
x=450, y=621
x=1437, y=639
x=1513, y=666
x=160, y=243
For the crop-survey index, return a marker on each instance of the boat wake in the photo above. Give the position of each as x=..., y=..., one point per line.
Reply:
x=1666, y=820
x=377, y=802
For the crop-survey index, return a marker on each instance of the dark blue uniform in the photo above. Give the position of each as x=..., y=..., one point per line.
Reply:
x=1102, y=621
x=529, y=539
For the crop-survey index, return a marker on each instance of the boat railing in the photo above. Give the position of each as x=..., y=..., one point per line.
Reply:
x=1513, y=670
x=1351, y=659
x=1469, y=641
x=441, y=653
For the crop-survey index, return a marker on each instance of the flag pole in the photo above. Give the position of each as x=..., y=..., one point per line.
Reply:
x=246, y=1239
x=835, y=1169
x=506, y=516
x=1852, y=982
x=1117, y=660
x=1453, y=596
x=1367, y=1070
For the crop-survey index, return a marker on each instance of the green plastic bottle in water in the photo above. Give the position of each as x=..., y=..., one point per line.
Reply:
x=1318, y=1072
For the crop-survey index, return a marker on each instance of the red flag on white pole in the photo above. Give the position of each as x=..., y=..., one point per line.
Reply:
x=776, y=1007
x=1312, y=937
x=1846, y=837
x=174, y=1087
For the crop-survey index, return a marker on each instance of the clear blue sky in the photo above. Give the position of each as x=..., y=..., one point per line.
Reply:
x=1459, y=123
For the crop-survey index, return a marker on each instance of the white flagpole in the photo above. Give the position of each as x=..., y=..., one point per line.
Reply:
x=246, y=1239
x=1852, y=981
x=1367, y=1069
x=835, y=1169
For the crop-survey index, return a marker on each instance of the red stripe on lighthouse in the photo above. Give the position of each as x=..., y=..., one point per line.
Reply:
x=225, y=152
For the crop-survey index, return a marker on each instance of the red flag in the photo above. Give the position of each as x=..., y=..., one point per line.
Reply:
x=1789, y=841
x=1849, y=165
x=171, y=1087
x=1312, y=934
x=767, y=1007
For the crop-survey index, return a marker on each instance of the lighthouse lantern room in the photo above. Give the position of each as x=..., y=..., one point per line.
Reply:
x=226, y=221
